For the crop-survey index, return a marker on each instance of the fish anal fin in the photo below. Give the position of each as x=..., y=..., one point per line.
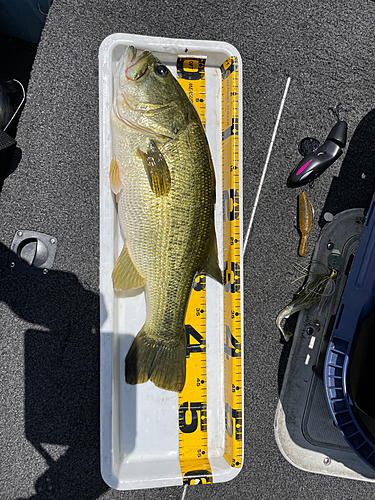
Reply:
x=211, y=266
x=125, y=275
x=156, y=169
x=114, y=177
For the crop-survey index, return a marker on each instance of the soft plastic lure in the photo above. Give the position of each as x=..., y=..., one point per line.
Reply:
x=315, y=163
x=304, y=220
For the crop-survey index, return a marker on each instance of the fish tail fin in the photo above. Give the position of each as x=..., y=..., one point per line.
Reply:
x=162, y=363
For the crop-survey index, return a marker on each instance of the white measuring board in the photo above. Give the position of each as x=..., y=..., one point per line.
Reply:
x=140, y=445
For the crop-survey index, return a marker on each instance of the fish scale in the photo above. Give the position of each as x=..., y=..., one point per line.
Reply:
x=163, y=234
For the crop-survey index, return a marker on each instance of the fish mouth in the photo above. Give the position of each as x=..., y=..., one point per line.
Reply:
x=128, y=57
x=135, y=67
x=126, y=108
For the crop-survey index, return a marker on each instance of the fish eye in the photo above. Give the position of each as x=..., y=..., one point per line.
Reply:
x=161, y=70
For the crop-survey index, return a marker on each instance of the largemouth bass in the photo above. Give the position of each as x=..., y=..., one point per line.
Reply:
x=163, y=178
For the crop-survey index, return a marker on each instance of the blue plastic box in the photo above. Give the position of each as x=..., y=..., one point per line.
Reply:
x=349, y=368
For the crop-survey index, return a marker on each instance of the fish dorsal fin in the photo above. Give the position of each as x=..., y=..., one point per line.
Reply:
x=125, y=275
x=114, y=177
x=211, y=266
x=157, y=169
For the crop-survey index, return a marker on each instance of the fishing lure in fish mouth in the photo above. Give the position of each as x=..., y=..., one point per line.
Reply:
x=317, y=161
x=317, y=290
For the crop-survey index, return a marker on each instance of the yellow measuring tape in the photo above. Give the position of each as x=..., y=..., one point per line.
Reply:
x=232, y=259
x=193, y=449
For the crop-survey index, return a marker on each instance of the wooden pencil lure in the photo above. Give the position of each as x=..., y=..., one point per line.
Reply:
x=304, y=220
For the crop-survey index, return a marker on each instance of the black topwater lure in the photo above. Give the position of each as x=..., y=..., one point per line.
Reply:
x=317, y=161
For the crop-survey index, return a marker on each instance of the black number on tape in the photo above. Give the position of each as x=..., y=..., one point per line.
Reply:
x=192, y=74
x=232, y=195
x=231, y=347
x=232, y=130
x=195, y=413
x=230, y=415
x=232, y=67
x=232, y=285
x=200, y=285
x=191, y=333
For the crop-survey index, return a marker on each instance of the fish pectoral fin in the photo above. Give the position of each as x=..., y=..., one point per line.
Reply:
x=211, y=266
x=156, y=169
x=114, y=177
x=125, y=275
